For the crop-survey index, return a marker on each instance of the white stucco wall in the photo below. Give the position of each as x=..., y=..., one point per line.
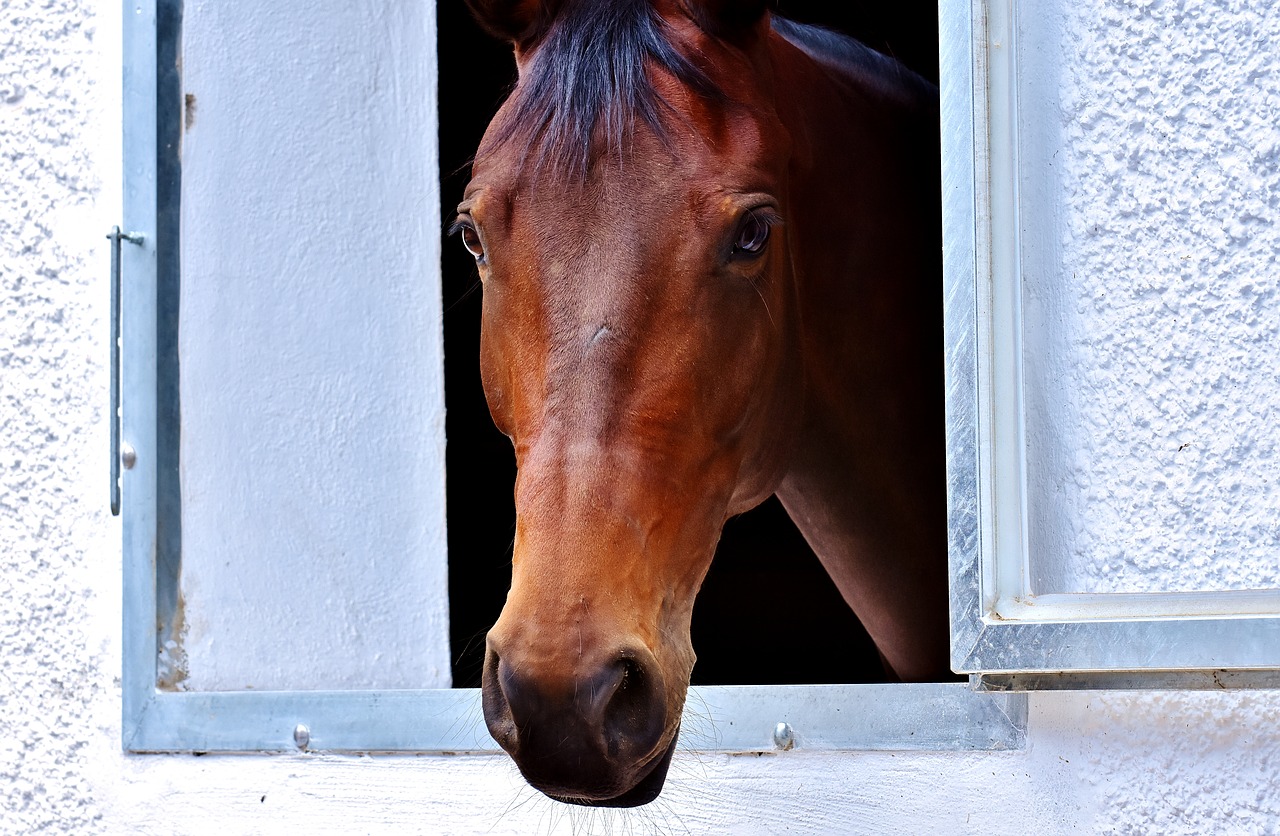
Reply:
x=1108, y=763
x=1152, y=201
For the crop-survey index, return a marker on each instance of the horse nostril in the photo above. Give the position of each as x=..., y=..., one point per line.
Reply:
x=634, y=716
x=557, y=727
x=496, y=703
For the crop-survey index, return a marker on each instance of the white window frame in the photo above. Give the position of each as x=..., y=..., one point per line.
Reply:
x=1003, y=633
x=940, y=716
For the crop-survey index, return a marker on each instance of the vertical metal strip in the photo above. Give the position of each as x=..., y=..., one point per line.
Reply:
x=169, y=126
x=114, y=412
x=961, y=24
x=119, y=454
x=138, y=364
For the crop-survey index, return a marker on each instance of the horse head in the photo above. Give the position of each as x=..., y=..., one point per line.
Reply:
x=635, y=218
x=627, y=216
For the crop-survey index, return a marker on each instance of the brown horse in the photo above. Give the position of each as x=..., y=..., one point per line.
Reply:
x=709, y=245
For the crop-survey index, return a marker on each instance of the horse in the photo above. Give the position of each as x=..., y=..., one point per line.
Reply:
x=708, y=241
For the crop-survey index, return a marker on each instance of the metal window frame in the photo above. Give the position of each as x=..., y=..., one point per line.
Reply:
x=1002, y=633
x=157, y=718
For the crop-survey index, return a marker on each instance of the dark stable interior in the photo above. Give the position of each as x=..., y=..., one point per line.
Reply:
x=767, y=612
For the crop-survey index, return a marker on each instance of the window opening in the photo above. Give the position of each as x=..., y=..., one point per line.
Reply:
x=763, y=563
x=161, y=714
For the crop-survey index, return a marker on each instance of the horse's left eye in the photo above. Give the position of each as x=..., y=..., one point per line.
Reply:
x=752, y=235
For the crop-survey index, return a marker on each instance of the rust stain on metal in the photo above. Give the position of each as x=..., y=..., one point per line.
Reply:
x=171, y=658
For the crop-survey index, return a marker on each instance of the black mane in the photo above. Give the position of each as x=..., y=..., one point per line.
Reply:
x=591, y=68
x=856, y=61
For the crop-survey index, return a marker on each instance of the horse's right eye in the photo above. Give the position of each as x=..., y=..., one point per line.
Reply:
x=471, y=240
x=470, y=237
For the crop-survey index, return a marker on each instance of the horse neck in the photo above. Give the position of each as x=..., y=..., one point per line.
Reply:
x=867, y=481
x=867, y=249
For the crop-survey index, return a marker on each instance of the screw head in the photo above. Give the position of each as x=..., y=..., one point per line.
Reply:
x=128, y=456
x=301, y=736
x=783, y=736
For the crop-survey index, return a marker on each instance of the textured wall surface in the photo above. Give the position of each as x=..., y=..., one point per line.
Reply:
x=1115, y=763
x=53, y=467
x=1155, y=307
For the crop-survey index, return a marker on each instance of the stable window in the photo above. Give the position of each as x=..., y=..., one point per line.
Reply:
x=763, y=561
x=282, y=420
x=1094, y=540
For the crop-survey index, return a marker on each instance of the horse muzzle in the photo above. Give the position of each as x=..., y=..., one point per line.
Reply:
x=597, y=735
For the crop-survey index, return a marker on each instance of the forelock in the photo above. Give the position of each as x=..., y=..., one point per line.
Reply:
x=590, y=79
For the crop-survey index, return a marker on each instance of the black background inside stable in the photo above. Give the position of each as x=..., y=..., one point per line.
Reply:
x=767, y=612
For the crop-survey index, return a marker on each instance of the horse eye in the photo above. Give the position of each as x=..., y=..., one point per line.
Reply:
x=752, y=235
x=471, y=240
x=470, y=237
